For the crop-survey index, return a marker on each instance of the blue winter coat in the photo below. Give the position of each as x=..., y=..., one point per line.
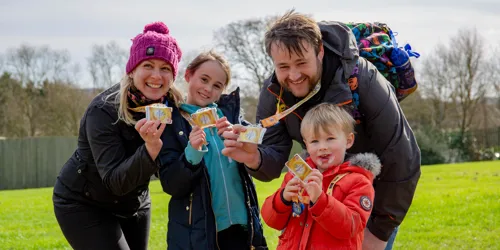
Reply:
x=191, y=219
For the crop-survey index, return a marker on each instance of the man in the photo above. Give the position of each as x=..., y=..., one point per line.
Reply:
x=305, y=53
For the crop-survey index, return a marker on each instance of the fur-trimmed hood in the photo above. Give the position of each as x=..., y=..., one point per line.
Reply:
x=368, y=161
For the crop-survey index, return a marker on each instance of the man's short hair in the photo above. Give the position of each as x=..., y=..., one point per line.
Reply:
x=325, y=117
x=291, y=30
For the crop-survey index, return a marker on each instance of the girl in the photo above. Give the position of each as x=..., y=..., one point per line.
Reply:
x=214, y=203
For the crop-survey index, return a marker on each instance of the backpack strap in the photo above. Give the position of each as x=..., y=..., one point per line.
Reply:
x=353, y=83
x=334, y=181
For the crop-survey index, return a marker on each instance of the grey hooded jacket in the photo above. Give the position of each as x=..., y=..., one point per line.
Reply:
x=384, y=129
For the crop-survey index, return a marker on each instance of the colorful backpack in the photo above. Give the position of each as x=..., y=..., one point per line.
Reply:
x=377, y=44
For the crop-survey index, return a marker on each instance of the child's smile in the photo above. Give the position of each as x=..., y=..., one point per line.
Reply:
x=326, y=159
x=327, y=148
x=205, y=84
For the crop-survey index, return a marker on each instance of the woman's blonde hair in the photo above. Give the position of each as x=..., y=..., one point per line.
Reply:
x=207, y=56
x=120, y=98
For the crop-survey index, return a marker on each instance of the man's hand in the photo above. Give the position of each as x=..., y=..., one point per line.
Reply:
x=371, y=242
x=243, y=152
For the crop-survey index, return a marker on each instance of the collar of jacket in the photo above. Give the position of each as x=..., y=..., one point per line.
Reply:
x=229, y=104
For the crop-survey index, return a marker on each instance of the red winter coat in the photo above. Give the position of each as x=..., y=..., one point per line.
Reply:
x=333, y=222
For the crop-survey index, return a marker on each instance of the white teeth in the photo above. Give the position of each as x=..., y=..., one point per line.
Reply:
x=297, y=82
x=154, y=86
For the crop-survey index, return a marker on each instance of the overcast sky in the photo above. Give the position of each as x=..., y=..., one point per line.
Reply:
x=77, y=25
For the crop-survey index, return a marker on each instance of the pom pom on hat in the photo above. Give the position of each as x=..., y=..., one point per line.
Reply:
x=154, y=43
x=157, y=27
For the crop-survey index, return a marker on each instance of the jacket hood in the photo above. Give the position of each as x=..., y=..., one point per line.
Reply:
x=339, y=39
x=368, y=161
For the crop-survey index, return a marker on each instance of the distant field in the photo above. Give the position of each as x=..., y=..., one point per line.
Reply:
x=456, y=206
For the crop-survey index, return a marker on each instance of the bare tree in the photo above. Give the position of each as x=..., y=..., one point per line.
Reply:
x=2, y=63
x=73, y=74
x=106, y=65
x=470, y=76
x=64, y=111
x=436, y=84
x=33, y=66
x=455, y=79
x=10, y=115
x=242, y=42
x=494, y=68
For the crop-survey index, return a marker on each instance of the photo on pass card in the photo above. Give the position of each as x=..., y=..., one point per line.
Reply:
x=205, y=117
x=299, y=167
x=159, y=112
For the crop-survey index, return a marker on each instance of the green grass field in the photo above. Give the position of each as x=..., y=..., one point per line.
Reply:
x=455, y=207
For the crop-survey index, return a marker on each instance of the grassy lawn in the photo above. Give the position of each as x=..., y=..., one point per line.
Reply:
x=455, y=207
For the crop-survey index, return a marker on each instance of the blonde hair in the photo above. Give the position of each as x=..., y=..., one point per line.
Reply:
x=325, y=117
x=291, y=30
x=207, y=56
x=120, y=98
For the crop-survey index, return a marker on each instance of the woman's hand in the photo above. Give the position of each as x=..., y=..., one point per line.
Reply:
x=150, y=132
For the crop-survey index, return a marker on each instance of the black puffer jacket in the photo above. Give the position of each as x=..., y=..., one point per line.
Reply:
x=191, y=218
x=384, y=129
x=111, y=167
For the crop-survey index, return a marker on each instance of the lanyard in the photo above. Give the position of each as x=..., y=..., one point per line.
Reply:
x=273, y=120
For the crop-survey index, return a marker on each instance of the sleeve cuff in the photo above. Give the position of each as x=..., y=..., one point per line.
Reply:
x=279, y=202
x=260, y=163
x=194, y=156
x=381, y=234
x=320, y=205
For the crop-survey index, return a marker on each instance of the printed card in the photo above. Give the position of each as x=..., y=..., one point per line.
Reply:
x=253, y=134
x=299, y=167
x=205, y=117
x=160, y=112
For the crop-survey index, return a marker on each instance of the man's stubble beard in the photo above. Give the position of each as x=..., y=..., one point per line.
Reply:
x=312, y=81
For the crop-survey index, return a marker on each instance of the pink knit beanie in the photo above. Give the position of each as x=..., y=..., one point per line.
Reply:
x=154, y=43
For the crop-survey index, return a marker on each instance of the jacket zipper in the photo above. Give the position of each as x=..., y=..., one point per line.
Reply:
x=190, y=208
x=223, y=176
x=250, y=213
x=216, y=231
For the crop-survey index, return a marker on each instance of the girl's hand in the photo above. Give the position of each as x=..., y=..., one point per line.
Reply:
x=223, y=125
x=197, y=138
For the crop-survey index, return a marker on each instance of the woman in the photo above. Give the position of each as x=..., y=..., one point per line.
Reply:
x=101, y=198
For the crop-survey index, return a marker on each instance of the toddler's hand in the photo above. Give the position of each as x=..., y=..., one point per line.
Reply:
x=314, y=185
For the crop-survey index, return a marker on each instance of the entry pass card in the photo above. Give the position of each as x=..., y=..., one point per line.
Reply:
x=299, y=167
